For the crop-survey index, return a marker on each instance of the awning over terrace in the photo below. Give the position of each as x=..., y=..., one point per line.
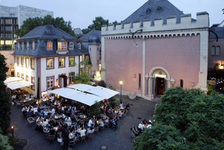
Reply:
x=16, y=83
x=102, y=92
x=84, y=93
x=78, y=96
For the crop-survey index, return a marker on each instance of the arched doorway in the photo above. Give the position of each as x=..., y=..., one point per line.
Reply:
x=159, y=82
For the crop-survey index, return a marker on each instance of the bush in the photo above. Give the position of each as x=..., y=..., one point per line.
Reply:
x=4, y=143
x=95, y=109
x=113, y=102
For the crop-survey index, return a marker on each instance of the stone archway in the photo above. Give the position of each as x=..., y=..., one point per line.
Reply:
x=159, y=81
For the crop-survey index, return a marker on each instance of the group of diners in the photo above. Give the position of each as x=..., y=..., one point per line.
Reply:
x=68, y=121
x=135, y=131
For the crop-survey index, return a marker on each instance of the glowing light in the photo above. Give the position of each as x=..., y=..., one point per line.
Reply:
x=97, y=76
x=160, y=75
x=221, y=66
x=121, y=82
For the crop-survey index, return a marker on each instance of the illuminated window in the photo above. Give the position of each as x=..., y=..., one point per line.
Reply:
x=27, y=62
x=27, y=45
x=50, y=63
x=61, y=62
x=62, y=45
x=71, y=45
x=49, y=45
x=71, y=77
x=22, y=75
x=27, y=78
x=22, y=45
x=32, y=63
x=33, y=82
x=22, y=61
x=17, y=60
x=50, y=82
x=71, y=61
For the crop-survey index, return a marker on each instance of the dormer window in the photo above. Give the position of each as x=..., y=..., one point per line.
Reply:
x=27, y=45
x=22, y=45
x=71, y=45
x=49, y=45
x=33, y=45
x=62, y=45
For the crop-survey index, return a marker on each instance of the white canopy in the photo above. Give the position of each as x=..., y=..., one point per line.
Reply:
x=12, y=79
x=18, y=84
x=103, y=93
x=81, y=97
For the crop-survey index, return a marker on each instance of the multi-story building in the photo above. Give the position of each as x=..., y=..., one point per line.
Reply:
x=155, y=48
x=92, y=42
x=47, y=57
x=11, y=18
x=216, y=47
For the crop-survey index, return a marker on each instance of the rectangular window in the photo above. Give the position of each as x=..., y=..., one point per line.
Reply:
x=62, y=45
x=50, y=63
x=27, y=45
x=49, y=45
x=33, y=45
x=181, y=83
x=18, y=75
x=27, y=62
x=213, y=51
x=27, y=78
x=22, y=75
x=17, y=60
x=22, y=45
x=61, y=62
x=71, y=61
x=32, y=63
x=50, y=82
x=33, y=82
x=71, y=77
x=139, y=81
x=71, y=45
x=217, y=52
x=22, y=61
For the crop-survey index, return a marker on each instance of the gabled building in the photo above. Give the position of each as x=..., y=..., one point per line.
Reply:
x=155, y=48
x=48, y=57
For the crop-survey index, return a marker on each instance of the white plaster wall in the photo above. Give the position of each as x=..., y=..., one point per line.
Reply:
x=56, y=71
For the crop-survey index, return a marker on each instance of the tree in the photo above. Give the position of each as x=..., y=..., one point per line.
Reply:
x=4, y=143
x=4, y=98
x=31, y=23
x=160, y=137
x=97, y=24
x=84, y=76
x=196, y=116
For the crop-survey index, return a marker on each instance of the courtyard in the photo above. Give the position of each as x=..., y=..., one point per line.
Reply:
x=110, y=138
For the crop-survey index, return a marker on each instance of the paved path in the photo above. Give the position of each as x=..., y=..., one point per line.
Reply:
x=119, y=139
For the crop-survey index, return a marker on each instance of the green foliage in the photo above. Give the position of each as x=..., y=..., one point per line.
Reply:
x=31, y=23
x=84, y=76
x=4, y=99
x=97, y=24
x=196, y=116
x=113, y=102
x=95, y=109
x=160, y=137
x=4, y=143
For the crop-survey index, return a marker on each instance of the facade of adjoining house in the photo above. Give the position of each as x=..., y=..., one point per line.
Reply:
x=155, y=48
x=216, y=47
x=92, y=42
x=48, y=57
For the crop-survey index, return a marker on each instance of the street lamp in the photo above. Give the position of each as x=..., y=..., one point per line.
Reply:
x=121, y=83
x=12, y=130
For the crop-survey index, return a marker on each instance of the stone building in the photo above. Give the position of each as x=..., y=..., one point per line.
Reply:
x=47, y=57
x=155, y=48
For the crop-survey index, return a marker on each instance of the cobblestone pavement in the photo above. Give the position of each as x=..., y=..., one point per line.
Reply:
x=119, y=139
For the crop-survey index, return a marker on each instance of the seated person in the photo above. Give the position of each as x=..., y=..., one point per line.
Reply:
x=101, y=123
x=90, y=123
x=82, y=132
x=60, y=140
x=120, y=113
x=140, y=126
x=90, y=130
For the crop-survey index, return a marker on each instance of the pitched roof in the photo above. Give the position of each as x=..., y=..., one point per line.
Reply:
x=218, y=30
x=154, y=9
x=49, y=32
x=91, y=36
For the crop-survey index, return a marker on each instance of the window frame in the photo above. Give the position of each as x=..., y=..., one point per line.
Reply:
x=69, y=61
x=59, y=62
x=32, y=63
x=71, y=77
x=71, y=46
x=47, y=67
x=49, y=45
x=52, y=82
